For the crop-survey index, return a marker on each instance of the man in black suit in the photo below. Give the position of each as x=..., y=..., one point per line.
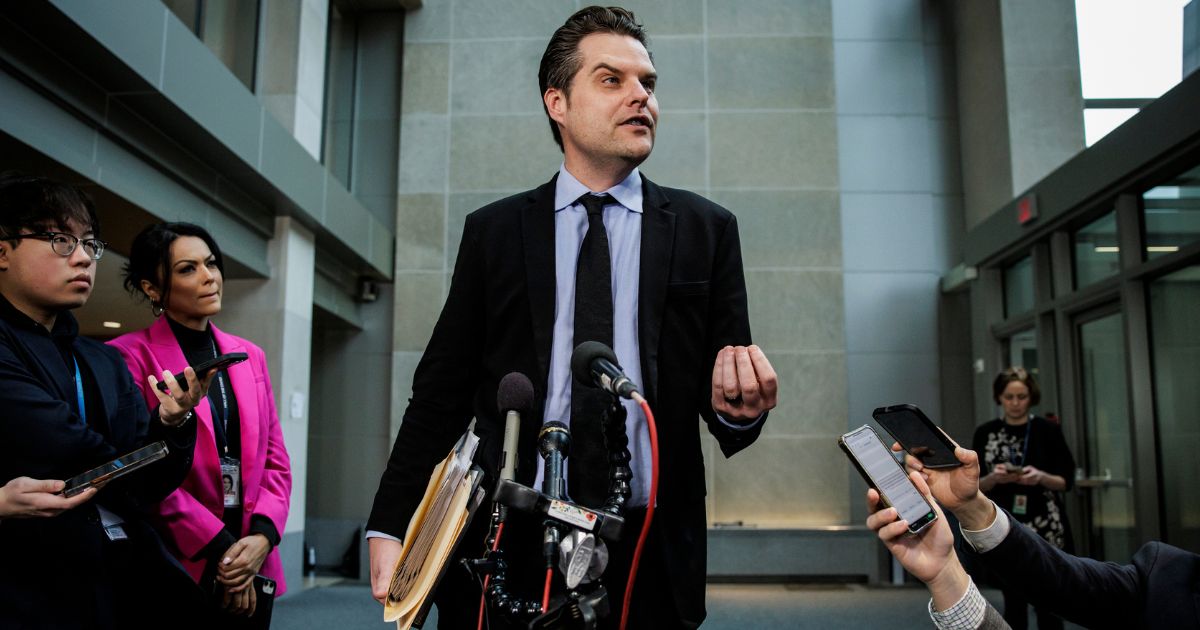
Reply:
x=1159, y=589
x=671, y=301
x=68, y=404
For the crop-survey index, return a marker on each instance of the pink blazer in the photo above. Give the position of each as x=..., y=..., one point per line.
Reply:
x=191, y=516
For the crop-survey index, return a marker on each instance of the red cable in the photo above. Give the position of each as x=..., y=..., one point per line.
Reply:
x=488, y=578
x=650, y=501
x=546, y=590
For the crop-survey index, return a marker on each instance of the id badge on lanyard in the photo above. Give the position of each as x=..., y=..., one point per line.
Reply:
x=231, y=481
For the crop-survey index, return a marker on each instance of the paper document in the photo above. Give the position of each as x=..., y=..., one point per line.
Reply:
x=433, y=532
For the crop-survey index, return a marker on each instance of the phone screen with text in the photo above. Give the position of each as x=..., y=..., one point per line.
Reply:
x=889, y=478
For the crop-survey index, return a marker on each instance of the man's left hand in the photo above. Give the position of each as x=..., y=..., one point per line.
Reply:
x=743, y=384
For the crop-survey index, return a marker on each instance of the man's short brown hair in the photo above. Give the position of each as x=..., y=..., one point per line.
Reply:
x=561, y=62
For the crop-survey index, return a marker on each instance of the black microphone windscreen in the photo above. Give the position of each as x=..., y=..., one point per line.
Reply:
x=515, y=393
x=585, y=353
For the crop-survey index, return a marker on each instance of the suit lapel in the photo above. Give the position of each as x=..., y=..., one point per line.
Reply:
x=658, y=241
x=537, y=228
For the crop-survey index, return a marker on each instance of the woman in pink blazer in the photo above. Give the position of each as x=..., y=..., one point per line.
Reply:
x=225, y=520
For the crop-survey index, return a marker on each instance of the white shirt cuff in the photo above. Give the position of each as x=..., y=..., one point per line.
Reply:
x=966, y=614
x=374, y=534
x=741, y=427
x=990, y=537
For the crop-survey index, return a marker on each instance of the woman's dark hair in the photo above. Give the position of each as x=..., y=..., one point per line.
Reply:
x=561, y=62
x=33, y=202
x=1019, y=375
x=150, y=257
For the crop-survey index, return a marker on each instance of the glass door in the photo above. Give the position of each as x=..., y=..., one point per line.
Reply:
x=1174, y=300
x=1106, y=478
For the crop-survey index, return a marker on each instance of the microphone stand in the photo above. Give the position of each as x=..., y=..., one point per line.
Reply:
x=581, y=607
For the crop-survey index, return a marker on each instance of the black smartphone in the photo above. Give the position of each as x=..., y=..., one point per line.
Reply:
x=880, y=469
x=222, y=362
x=122, y=465
x=918, y=435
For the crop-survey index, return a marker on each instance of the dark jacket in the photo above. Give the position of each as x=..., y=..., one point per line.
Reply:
x=62, y=572
x=498, y=318
x=1160, y=588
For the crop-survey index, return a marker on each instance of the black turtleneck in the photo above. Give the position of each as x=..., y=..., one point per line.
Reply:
x=199, y=346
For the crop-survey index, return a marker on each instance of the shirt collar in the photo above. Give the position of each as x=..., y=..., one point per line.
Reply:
x=567, y=189
x=65, y=325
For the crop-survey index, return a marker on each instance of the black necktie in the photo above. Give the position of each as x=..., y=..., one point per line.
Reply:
x=587, y=464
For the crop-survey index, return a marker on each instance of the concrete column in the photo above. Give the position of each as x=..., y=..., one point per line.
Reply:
x=1191, y=37
x=1020, y=96
x=291, y=70
x=276, y=314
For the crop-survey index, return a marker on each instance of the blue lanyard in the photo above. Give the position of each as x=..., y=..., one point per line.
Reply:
x=1025, y=445
x=79, y=391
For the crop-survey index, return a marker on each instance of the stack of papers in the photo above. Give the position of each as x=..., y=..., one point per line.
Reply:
x=450, y=498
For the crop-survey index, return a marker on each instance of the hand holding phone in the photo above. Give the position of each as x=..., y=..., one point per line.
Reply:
x=218, y=363
x=882, y=472
x=118, y=467
x=918, y=435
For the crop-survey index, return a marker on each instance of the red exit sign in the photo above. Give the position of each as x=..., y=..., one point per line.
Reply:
x=1027, y=209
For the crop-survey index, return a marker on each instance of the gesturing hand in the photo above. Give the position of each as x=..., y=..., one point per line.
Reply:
x=176, y=403
x=28, y=498
x=743, y=384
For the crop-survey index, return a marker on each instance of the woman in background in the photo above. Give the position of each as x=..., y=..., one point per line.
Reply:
x=224, y=521
x=1025, y=466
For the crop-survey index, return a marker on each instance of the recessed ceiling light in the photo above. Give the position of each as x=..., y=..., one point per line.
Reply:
x=112, y=324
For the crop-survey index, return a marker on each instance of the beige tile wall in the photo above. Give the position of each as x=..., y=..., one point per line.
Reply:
x=747, y=96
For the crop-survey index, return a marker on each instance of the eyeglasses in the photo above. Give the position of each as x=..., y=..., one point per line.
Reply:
x=64, y=244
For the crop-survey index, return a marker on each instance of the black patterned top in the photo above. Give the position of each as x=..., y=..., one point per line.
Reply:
x=1038, y=443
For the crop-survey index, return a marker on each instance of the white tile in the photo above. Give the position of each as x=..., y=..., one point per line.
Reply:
x=877, y=19
x=880, y=77
x=894, y=232
x=883, y=153
x=891, y=312
x=879, y=379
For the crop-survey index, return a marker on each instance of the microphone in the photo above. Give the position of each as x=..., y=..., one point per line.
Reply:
x=554, y=442
x=514, y=396
x=595, y=365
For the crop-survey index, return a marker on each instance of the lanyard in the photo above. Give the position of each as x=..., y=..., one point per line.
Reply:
x=1025, y=443
x=79, y=391
x=223, y=416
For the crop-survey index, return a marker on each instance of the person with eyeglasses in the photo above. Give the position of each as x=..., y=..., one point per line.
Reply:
x=67, y=405
x=1025, y=466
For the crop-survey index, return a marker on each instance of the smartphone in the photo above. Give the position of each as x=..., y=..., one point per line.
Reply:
x=918, y=435
x=875, y=463
x=1012, y=468
x=222, y=362
x=118, y=467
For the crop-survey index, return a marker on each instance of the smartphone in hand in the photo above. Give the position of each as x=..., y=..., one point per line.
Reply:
x=218, y=363
x=881, y=471
x=918, y=435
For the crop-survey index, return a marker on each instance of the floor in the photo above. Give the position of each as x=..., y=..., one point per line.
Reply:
x=348, y=606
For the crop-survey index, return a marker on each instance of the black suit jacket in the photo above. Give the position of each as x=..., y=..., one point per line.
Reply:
x=60, y=572
x=1160, y=588
x=498, y=318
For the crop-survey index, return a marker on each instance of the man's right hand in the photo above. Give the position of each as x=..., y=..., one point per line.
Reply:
x=385, y=553
x=957, y=489
x=28, y=498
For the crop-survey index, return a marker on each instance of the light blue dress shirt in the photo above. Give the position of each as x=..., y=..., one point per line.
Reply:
x=623, y=221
